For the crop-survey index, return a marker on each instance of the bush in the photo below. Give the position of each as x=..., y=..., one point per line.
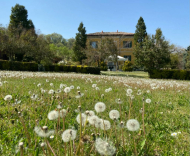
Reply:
x=170, y=74
x=25, y=66
x=128, y=66
x=103, y=66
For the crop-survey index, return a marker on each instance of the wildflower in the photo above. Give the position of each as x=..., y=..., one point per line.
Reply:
x=93, y=119
x=68, y=135
x=114, y=114
x=105, y=125
x=118, y=101
x=8, y=97
x=51, y=137
x=83, y=117
x=174, y=134
x=97, y=88
x=34, y=97
x=72, y=87
x=94, y=85
x=100, y=107
x=148, y=101
x=51, y=91
x=62, y=113
x=89, y=113
x=133, y=125
x=67, y=90
x=53, y=115
x=43, y=132
x=39, y=84
x=129, y=91
x=104, y=148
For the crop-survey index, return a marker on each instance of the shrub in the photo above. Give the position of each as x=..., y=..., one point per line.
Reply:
x=103, y=66
x=128, y=66
x=170, y=74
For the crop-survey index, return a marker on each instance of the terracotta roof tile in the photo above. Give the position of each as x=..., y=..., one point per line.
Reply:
x=110, y=34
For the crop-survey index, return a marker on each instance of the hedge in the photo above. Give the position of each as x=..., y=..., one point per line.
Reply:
x=26, y=66
x=170, y=74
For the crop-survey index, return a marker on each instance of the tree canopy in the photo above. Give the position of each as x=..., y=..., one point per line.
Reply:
x=80, y=44
x=140, y=32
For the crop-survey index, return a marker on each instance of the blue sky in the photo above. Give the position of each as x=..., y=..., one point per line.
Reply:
x=64, y=16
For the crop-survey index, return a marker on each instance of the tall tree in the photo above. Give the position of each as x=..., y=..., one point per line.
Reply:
x=80, y=44
x=140, y=32
x=19, y=17
x=153, y=52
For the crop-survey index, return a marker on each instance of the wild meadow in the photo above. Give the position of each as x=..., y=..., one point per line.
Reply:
x=68, y=114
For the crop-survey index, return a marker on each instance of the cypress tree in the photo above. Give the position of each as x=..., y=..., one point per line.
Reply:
x=80, y=44
x=140, y=32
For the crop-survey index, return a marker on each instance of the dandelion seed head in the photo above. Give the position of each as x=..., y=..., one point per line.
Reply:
x=62, y=113
x=8, y=97
x=43, y=133
x=148, y=100
x=114, y=114
x=133, y=125
x=105, y=125
x=67, y=90
x=51, y=91
x=68, y=135
x=93, y=120
x=83, y=117
x=100, y=107
x=53, y=115
x=129, y=91
x=104, y=148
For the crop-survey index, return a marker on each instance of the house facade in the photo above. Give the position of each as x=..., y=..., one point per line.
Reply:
x=123, y=40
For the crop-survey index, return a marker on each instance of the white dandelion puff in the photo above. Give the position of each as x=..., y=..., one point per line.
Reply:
x=105, y=125
x=105, y=148
x=148, y=100
x=94, y=85
x=34, y=97
x=8, y=97
x=68, y=135
x=51, y=91
x=43, y=132
x=100, y=107
x=53, y=115
x=63, y=113
x=93, y=120
x=83, y=117
x=67, y=90
x=133, y=125
x=51, y=84
x=114, y=114
x=72, y=87
x=129, y=91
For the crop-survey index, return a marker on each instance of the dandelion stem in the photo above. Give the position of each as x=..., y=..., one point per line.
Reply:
x=50, y=148
x=143, y=119
x=135, y=146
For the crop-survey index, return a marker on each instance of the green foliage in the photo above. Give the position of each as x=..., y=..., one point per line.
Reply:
x=18, y=66
x=80, y=44
x=19, y=17
x=103, y=66
x=170, y=74
x=140, y=32
x=128, y=66
x=153, y=52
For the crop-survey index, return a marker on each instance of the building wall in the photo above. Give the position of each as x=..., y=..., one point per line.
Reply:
x=119, y=40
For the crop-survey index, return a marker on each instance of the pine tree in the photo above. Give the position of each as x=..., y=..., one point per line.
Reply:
x=140, y=32
x=80, y=44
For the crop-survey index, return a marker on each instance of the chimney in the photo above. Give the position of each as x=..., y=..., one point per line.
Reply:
x=117, y=31
x=102, y=31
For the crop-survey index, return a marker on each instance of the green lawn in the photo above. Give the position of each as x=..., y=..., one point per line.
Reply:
x=163, y=115
x=137, y=74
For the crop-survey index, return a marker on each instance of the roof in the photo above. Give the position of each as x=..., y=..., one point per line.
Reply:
x=111, y=34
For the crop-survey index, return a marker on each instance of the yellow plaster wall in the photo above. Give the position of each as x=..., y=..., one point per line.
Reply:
x=119, y=40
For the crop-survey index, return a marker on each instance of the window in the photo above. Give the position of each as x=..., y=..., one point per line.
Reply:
x=94, y=44
x=127, y=44
x=127, y=57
